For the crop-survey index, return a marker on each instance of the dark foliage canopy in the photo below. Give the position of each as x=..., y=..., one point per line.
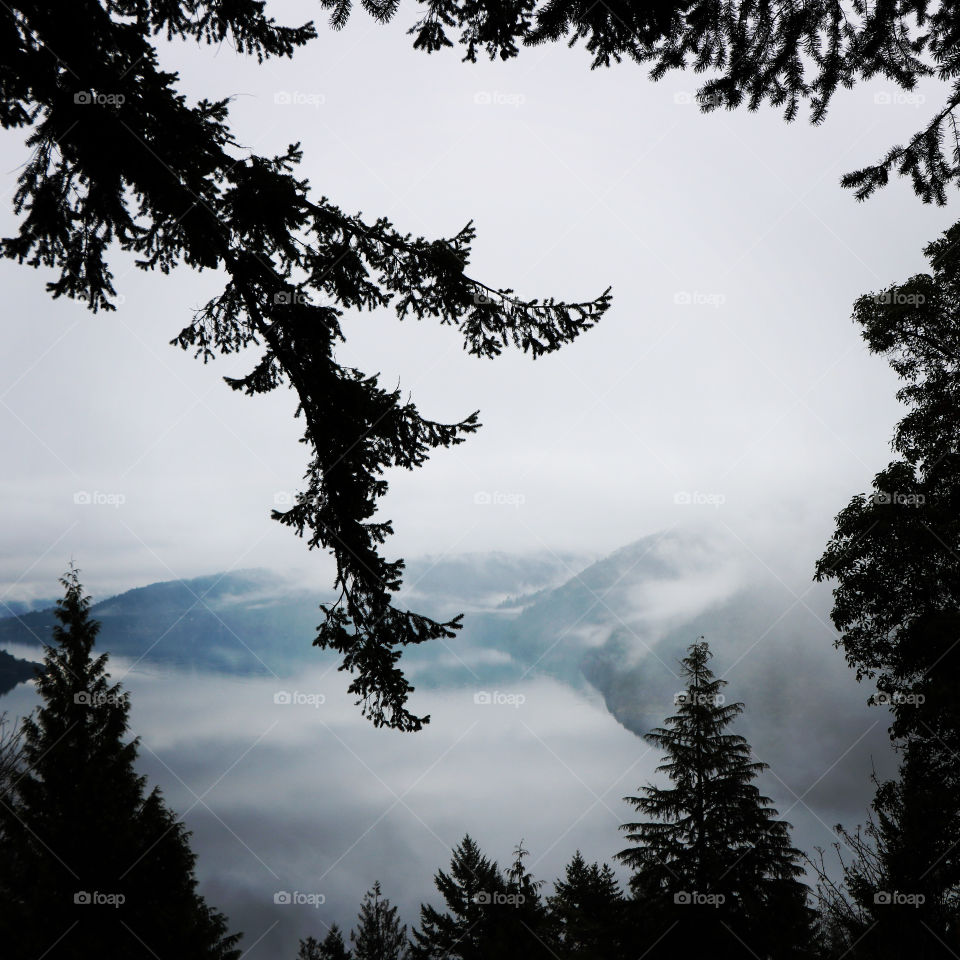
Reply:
x=91, y=864
x=488, y=913
x=755, y=52
x=120, y=160
x=894, y=553
x=711, y=860
x=379, y=934
x=899, y=892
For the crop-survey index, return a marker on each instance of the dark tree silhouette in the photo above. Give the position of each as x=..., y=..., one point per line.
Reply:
x=11, y=756
x=331, y=947
x=713, y=868
x=893, y=557
x=893, y=554
x=758, y=51
x=465, y=929
x=587, y=911
x=488, y=913
x=120, y=160
x=378, y=935
x=900, y=892
x=90, y=864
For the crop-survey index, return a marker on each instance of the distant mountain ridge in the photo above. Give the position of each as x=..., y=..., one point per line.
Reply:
x=613, y=628
x=255, y=622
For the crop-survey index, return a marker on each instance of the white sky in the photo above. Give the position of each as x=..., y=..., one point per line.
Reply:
x=576, y=180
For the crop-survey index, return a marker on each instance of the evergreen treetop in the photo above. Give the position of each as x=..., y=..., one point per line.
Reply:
x=89, y=861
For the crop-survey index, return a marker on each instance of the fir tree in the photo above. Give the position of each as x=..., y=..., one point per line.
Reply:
x=713, y=866
x=331, y=947
x=587, y=911
x=523, y=928
x=91, y=864
x=488, y=913
x=466, y=929
x=119, y=160
x=378, y=935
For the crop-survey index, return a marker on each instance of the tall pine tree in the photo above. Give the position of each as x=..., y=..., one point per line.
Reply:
x=488, y=913
x=464, y=930
x=331, y=947
x=587, y=911
x=378, y=935
x=713, y=867
x=90, y=864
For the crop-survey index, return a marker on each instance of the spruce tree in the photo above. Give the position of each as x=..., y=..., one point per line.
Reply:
x=331, y=947
x=378, y=935
x=713, y=867
x=523, y=927
x=465, y=929
x=587, y=911
x=91, y=864
x=488, y=913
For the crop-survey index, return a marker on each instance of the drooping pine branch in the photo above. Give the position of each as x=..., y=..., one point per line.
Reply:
x=120, y=160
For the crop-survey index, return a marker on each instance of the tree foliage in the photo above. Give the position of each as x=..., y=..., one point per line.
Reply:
x=378, y=934
x=712, y=861
x=488, y=913
x=90, y=863
x=755, y=52
x=894, y=553
x=120, y=160
x=899, y=893
x=587, y=910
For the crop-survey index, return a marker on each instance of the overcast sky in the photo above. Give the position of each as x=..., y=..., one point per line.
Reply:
x=726, y=387
x=758, y=391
